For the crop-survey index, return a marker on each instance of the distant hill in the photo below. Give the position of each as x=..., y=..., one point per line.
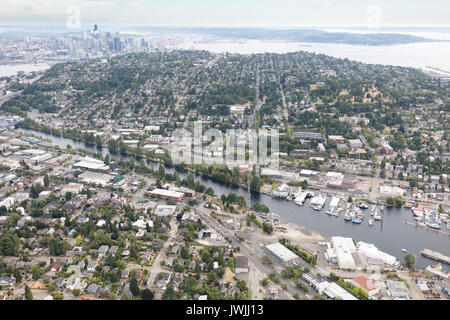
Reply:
x=297, y=35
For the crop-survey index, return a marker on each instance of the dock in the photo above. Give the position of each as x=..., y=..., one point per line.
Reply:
x=426, y=227
x=435, y=256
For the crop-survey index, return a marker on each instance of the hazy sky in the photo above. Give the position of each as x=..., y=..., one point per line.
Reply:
x=231, y=13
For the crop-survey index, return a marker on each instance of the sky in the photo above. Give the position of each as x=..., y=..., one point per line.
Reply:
x=227, y=13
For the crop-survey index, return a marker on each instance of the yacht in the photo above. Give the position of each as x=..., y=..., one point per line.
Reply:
x=364, y=205
x=377, y=216
x=370, y=222
x=347, y=216
x=433, y=225
x=439, y=271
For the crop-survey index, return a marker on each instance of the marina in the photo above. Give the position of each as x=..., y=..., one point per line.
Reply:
x=390, y=232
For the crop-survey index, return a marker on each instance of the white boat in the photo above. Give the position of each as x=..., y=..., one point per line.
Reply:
x=404, y=250
x=439, y=271
x=377, y=216
x=370, y=222
x=364, y=205
x=433, y=225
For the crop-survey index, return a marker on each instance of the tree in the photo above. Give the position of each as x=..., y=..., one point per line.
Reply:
x=68, y=196
x=267, y=228
x=134, y=287
x=9, y=244
x=37, y=272
x=410, y=260
x=350, y=199
x=28, y=293
x=157, y=245
x=79, y=240
x=46, y=180
x=147, y=294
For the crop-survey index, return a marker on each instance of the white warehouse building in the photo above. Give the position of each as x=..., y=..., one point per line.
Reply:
x=282, y=254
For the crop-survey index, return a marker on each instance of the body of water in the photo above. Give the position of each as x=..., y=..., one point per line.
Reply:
x=9, y=70
x=416, y=55
x=390, y=236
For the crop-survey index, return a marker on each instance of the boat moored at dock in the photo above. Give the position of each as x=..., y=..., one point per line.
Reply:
x=438, y=270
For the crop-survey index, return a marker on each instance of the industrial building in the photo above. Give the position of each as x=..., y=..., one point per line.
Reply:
x=279, y=175
x=343, y=248
x=92, y=164
x=282, y=254
x=95, y=177
x=334, y=291
x=169, y=194
x=334, y=179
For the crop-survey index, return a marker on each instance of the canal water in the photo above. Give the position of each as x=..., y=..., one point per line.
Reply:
x=392, y=235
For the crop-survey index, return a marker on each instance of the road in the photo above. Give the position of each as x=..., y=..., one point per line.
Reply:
x=156, y=267
x=9, y=97
x=254, y=252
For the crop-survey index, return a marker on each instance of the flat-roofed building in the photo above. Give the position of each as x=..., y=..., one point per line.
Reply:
x=307, y=135
x=337, y=139
x=279, y=175
x=169, y=194
x=92, y=164
x=241, y=264
x=282, y=254
x=165, y=210
x=334, y=291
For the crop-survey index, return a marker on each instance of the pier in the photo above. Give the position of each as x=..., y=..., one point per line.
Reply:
x=435, y=256
x=426, y=227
